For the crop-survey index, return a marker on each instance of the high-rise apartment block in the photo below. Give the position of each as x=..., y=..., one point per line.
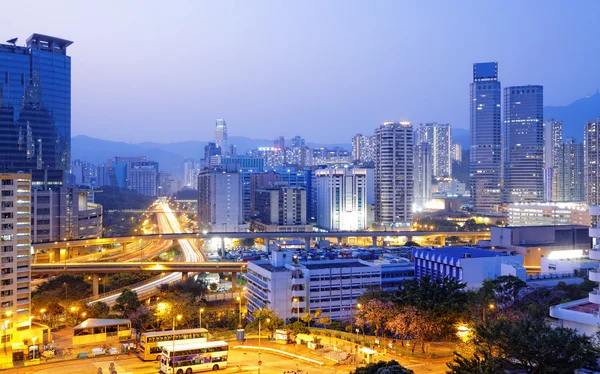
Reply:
x=553, y=139
x=364, y=148
x=394, y=174
x=143, y=177
x=280, y=208
x=35, y=108
x=221, y=136
x=485, y=154
x=592, y=162
x=456, y=152
x=439, y=138
x=570, y=169
x=220, y=205
x=524, y=144
x=423, y=175
x=341, y=198
x=15, y=244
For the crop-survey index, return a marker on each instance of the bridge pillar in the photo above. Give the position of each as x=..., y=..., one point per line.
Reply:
x=123, y=247
x=374, y=239
x=442, y=240
x=184, y=276
x=307, y=243
x=339, y=240
x=233, y=280
x=223, y=247
x=95, y=280
x=409, y=238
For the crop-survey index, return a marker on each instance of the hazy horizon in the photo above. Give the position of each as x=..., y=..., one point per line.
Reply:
x=152, y=71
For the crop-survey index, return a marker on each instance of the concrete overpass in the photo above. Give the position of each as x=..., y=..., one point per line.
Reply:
x=123, y=240
x=96, y=268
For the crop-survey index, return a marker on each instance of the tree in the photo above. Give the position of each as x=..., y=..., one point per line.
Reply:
x=126, y=303
x=269, y=320
x=307, y=318
x=382, y=367
x=54, y=310
x=99, y=309
x=528, y=345
x=375, y=313
x=213, y=287
x=298, y=328
x=478, y=364
x=184, y=304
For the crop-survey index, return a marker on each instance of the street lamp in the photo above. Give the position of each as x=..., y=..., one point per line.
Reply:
x=259, y=333
x=240, y=301
x=33, y=340
x=358, y=307
x=297, y=301
x=201, y=311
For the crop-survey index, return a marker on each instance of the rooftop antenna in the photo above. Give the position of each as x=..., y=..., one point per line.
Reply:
x=13, y=41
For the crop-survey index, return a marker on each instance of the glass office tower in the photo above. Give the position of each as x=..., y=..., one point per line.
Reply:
x=524, y=144
x=485, y=155
x=35, y=107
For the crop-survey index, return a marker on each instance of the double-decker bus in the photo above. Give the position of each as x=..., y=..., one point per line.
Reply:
x=152, y=343
x=191, y=358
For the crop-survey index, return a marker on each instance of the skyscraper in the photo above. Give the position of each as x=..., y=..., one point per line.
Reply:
x=35, y=107
x=553, y=138
x=221, y=136
x=524, y=144
x=439, y=138
x=220, y=201
x=485, y=155
x=394, y=174
x=570, y=169
x=591, y=146
x=423, y=174
x=364, y=148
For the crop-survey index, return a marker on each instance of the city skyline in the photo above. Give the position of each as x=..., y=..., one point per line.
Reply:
x=317, y=72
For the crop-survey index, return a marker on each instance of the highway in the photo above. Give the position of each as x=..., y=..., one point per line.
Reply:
x=167, y=224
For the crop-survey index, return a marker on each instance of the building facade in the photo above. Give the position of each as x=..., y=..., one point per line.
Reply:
x=35, y=107
x=341, y=199
x=439, y=138
x=485, y=171
x=143, y=177
x=524, y=144
x=592, y=162
x=280, y=208
x=423, y=175
x=364, y=148
x=220, y=206
x=394, y=174
x=548, y=214
x=553, y=140
x=570, y=171
x=15, y=236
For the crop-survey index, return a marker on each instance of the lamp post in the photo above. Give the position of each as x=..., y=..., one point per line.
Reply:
x=297, y=301
x=35, y=345
x=200, y=313
x=259, y=331
x=178, y=317
x=358, y=307
x=240, y=301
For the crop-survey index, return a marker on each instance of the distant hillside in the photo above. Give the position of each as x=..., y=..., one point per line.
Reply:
x=169, y=156
x=575, y=115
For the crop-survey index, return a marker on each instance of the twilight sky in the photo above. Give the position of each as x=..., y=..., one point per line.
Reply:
x=165, y=70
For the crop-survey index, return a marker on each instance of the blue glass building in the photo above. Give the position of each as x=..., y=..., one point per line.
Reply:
x=35, y=107
x=485, y=170
x=524, y=144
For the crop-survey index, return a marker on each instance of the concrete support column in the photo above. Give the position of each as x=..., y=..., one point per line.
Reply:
x=374, y=239
x=442, y=241
x=123, y=247
x=95, y=286
x=223, y=246
x=339, y=240
x=233, y=280
x=184, y=276
x=307, y=244
x=409, y=238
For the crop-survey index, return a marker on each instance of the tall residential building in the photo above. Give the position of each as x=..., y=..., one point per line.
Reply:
x=591, y=145
x=524, y=144
x=35, y=108
x=486, y=153
x=423, y=175
x=341, y=199
x=279, y=143
x=15, y=279
x=553, y=139
x=364, y=148
x=220, y=206
x=456, y=152
x=330, y=156
x=246, y=166
x=190, y=173
x=221, y=136
x=570, y=169
x=394, y=174
x=439, y=138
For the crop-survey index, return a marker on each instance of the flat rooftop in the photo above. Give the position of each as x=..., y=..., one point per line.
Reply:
x=458, y=252
x=333, y=265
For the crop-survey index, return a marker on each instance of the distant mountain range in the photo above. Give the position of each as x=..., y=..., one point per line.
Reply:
x=169, y=156
x=575, y=115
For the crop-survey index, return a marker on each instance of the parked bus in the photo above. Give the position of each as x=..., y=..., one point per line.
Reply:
x=151, y=343
x=191, y=358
